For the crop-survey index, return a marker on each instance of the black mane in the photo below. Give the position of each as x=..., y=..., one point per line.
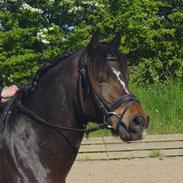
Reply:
x=48, y=66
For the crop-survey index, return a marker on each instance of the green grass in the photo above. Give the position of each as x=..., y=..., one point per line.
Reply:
x=157, y=154
x=163, y=103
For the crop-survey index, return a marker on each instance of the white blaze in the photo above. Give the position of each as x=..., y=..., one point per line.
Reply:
x=117, y=73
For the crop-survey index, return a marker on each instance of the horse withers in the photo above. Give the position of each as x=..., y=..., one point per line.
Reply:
x=43, y=126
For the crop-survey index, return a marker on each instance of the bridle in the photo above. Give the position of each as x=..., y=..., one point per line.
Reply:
x=107, y=111
x=85, y=83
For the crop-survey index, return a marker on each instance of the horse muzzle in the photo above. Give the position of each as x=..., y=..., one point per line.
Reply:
x=135, y=129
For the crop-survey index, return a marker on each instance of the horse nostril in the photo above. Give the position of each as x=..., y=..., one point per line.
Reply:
x=138, y=121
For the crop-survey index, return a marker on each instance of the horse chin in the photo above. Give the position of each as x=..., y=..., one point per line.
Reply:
x=136, y=136
x=123, y=134
x=128, y=136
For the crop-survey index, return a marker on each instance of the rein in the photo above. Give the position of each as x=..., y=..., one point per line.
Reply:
x=40, y=120
x=84, y=79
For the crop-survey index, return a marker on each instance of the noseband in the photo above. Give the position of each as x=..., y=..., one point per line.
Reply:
x=85, y=82
x=107, y=111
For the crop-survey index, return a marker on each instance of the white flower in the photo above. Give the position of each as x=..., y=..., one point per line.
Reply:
x=45, y=41
x=93, y=3
x=50, y=28
x=28, y=7
x=75, y=9
x=44, y=30
x=42, y=34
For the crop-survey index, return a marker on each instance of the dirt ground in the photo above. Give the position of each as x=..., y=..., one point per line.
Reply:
x=148, y=170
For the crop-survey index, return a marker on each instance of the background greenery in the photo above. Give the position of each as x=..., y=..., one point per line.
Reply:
x=33, y=31
x=164, y=105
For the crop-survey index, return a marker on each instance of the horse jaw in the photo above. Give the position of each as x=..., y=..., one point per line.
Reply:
x=123, y=134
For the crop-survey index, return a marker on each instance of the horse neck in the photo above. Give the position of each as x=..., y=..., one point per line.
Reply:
x=55, y=95
x=55, y=87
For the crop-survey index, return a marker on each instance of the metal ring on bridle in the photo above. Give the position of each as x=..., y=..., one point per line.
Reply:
x=107, y=116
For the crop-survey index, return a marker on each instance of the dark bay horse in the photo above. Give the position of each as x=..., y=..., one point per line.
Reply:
x=44, y=124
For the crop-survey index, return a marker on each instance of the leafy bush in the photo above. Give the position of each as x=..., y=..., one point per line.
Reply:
x=34, y=31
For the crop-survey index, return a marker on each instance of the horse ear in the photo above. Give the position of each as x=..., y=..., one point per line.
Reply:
x=94, y=41
x=115, y=43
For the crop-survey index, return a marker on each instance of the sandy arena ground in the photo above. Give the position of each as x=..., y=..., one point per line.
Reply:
x=149, y=170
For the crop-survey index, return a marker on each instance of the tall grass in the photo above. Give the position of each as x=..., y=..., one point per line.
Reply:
x=163, y=103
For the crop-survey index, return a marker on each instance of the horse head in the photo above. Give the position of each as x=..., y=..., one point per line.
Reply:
x=41, y=128
x=111, y=101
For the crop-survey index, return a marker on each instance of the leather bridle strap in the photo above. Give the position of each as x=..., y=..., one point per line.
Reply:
x=128, y=100
x=89, y=89
x=123, y=99
x=40, y=120
x=104, y=108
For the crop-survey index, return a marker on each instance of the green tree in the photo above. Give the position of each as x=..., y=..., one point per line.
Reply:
x=152, y=38
x=33, y=31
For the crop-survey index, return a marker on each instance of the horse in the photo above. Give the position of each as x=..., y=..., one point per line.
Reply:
x=44, y=123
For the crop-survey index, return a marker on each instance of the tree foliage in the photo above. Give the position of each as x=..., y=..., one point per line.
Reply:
x=33, y=31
